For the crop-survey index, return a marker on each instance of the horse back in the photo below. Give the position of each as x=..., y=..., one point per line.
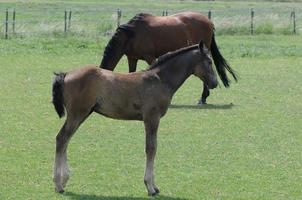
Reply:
x=198, y=25
x=155, y=35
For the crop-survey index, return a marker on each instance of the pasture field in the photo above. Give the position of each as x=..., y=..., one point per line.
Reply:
x=245, y=144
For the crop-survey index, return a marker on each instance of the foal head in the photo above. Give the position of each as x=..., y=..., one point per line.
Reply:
x=203, y=69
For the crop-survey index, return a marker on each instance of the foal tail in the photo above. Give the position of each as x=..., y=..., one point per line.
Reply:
x=221, y=64
x=57, y=93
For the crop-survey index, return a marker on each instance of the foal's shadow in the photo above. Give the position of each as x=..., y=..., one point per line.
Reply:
x=204, y=106
x=75, y=196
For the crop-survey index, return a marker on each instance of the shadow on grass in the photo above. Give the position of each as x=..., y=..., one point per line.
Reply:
x=204, y=106
x=75, y=196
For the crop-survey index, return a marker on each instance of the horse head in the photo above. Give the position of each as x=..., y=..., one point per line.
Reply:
x=115, y=48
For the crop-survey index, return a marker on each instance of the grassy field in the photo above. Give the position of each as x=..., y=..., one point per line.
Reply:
x=245, y=144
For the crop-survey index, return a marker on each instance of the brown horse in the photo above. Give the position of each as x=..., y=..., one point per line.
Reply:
x=146, y=37
x=143, y=96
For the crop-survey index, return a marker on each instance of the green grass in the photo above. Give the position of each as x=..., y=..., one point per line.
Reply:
x=246, y=144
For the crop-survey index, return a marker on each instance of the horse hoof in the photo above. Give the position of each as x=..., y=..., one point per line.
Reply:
x=201, y=103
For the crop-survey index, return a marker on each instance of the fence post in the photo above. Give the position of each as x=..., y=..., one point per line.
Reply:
x=6, y=24
x=69, y=20
x=119, y=16
x=65, y=21
x=14, y=21
x=294, y=21
x=252, y=21
x=210, y=14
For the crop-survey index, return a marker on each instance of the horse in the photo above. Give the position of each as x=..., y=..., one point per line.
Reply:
x=146, y=37
x=143, y=96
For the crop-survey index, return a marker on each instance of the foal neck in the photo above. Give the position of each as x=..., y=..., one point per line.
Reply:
x=175, y=71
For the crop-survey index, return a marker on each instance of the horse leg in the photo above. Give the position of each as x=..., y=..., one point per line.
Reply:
x=132, y=64
x=61, y=169
x=151, y=126
x=205, y=94
x=149, y=59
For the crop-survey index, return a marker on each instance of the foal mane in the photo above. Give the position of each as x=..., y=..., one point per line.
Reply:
x=168, y=56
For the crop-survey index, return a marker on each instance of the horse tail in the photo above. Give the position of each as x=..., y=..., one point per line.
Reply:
x=57, y=93
x=221, y=64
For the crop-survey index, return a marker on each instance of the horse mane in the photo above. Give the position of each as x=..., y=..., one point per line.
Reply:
x=137, y=20
x=168, y=56
x=113, y=44
x=128, y=29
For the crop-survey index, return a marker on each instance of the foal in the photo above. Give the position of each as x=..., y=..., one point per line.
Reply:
x=143, y=96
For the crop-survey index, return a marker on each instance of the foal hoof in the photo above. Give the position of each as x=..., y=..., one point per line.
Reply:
x=59, y=190
x=156, y=190
x=153, y=194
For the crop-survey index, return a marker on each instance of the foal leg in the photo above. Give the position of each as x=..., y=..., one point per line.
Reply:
x=205, y=94
x=132, y=64
x=61, y=170
x=151, y=126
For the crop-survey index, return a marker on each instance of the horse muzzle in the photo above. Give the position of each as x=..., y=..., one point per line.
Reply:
x=212, y=84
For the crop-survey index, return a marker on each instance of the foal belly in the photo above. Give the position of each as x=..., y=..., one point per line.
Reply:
x=119, y=111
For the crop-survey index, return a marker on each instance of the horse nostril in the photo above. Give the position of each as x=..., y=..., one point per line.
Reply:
x=213, y=84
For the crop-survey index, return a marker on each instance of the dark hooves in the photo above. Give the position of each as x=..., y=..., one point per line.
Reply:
x=154, y=193
x=200, y=103
x=61, y=191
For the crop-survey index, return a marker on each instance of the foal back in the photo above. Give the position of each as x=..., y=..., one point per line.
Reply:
x=115, y=95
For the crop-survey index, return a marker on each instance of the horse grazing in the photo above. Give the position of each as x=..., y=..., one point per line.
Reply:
x=143, y=96
x=146, y=37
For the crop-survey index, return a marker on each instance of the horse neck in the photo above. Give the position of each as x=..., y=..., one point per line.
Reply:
x=114, y=51
x=174, y=72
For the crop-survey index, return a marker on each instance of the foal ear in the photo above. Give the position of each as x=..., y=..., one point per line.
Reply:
x=203, y=47
x=200, y=45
